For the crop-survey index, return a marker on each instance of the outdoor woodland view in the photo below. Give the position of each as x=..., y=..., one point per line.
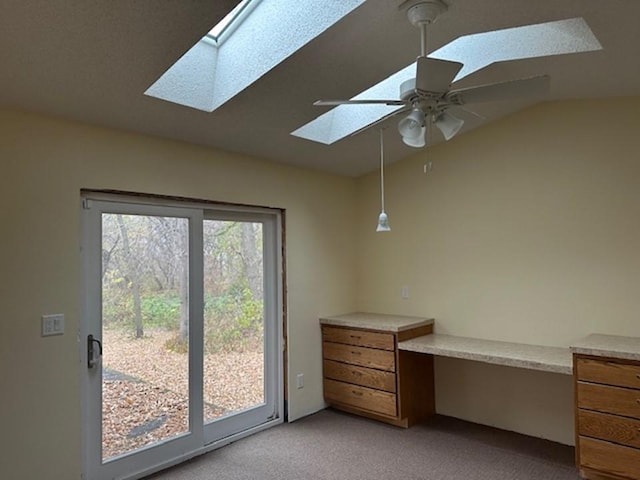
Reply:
x=145, y=315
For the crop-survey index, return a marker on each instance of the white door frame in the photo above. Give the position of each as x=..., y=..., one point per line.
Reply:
x=201, y=438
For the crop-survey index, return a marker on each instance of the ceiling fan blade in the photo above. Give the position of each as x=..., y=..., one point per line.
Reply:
x=433, y=75
x=358, y=102
x=448, y=125
x=512, y=90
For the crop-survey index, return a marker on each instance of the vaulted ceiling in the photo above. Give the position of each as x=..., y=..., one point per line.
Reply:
x=92, y=61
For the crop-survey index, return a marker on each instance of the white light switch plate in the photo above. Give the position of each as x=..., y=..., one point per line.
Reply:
x=52, y=324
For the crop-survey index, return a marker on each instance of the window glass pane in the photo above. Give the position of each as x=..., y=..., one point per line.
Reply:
x=145, y=331
x=233, y=317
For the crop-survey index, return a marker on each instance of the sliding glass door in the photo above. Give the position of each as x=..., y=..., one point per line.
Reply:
x=181, y=331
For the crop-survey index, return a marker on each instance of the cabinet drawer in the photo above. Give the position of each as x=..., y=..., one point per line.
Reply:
x=360, y=397
x=620, y=401
x=364, y=357
x=610, y=458
x=610, y=373
x=361, y=338
x=367, y=377
x=624, y=431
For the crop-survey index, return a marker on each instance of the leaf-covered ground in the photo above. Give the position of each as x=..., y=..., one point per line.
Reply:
x=145, y=388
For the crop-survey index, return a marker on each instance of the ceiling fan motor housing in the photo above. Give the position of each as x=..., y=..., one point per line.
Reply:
x=425, y=12
x=428, y=102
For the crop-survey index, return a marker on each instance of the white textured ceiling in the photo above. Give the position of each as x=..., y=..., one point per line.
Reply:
x=93, y=60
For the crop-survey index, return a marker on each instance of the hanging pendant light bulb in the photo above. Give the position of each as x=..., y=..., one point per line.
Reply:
x=383, y=219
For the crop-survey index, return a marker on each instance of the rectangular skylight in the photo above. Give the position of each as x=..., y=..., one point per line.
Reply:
x=261, y=34
x=225, y=26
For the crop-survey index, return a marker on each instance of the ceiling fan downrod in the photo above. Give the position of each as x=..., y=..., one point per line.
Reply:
x=421, y=14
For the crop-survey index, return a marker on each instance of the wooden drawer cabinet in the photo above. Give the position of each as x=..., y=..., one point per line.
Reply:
x=607, y=417
x=364, y=373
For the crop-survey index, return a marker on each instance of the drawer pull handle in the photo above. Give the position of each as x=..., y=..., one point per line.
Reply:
x=356, y=353
x=356, y=337
x=359, y=394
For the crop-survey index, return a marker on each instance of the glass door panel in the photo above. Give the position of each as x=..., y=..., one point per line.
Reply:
x=234, y=313
x=145, y=331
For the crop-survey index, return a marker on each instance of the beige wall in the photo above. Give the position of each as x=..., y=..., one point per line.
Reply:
x=45, y=162
x=527, y=230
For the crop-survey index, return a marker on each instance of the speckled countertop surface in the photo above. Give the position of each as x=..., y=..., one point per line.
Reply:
x=533, y=357
x=627, y=348
x=376, y=321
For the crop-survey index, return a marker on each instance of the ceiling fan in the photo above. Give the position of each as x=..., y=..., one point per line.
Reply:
x=428, y=96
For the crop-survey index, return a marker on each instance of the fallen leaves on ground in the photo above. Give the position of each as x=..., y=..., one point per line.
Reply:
x=145, y=388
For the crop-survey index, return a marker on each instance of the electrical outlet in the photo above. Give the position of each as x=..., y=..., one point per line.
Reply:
x=52, y=324
x=405, y=292
x=300, y=380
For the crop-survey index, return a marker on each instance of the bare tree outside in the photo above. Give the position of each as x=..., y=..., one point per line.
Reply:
x=130, y=263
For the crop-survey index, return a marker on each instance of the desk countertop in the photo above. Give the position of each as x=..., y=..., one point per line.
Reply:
x=627, y=348
x=532, y=357
x=376, y=321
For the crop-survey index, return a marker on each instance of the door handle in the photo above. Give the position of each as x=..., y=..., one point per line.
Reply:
x=91, y=361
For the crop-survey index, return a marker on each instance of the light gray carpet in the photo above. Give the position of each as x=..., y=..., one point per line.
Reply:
x=331, y=445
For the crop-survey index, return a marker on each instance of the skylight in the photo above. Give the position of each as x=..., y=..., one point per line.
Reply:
x=475, y=51
x=231, y=21
x=253, y=38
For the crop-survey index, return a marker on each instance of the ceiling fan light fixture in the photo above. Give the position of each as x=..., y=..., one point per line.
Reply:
x=448, y=124
x=412, y=125
x=416, y=142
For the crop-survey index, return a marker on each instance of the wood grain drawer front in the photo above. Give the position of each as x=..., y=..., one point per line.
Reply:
x=361, y=338
x=367, y=377
x=609, y=373
x=625, y=431
x=364, y=357
x=360, y=397
x=603, y=398
x=610, y=458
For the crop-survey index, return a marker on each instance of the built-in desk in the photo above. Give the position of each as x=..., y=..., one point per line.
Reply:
x=532, y=357
x=381, y=366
